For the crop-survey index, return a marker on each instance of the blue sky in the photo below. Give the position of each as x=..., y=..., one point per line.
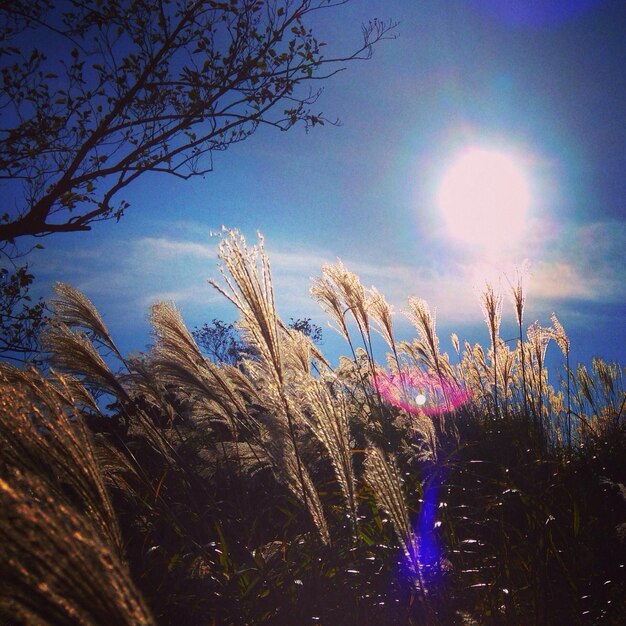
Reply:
x=543, y=81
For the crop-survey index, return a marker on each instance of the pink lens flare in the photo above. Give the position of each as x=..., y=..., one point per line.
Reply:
x=415, y=391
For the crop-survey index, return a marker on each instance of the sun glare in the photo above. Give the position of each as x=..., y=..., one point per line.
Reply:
x=484, y=198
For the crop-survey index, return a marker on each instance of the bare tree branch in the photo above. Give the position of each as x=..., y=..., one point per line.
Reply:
x=125, y=88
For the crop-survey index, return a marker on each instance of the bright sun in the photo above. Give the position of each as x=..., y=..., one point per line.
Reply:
x=484, y=198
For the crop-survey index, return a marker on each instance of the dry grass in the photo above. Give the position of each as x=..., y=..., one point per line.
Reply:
x=383, y=476
x=61, y=554
x=206, y=460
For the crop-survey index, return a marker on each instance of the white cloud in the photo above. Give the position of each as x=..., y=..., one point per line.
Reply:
x=162, y=248
x=584, y=263
x=561, y=281
x=125, y=277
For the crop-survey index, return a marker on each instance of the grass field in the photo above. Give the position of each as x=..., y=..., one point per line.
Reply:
x=427, y=489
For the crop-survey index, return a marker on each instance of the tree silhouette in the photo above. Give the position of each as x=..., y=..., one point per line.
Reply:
x=21, y=319
x=222, y=342
x=95, y=94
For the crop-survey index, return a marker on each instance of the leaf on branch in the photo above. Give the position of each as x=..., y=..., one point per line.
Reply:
x=148, y=101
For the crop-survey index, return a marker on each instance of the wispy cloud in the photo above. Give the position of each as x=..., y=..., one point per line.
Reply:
x=583, y=263
x=164, y=249
x=125, y=277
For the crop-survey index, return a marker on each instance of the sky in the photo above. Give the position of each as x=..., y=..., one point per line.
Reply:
x=541, y=82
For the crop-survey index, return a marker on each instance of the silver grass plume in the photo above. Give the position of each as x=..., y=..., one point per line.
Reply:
x=178, y=361
x=350, y=374
x=300, y=351
x=424, y=320
x=426, y=349
x=294, y=476
x=213, y=391
x=454, y=338
x=324, y=291
x=248, y=279
x=586, y=388
x=56, y=566
x=275, y=435
x=143, y=381
x=518, y=296
x=608, y=374
x=383, y=477
x=381, y=312
x=539, y=338
x=327, y=416
x=479, y=356
x=560, y=336
x=66, y=388
x=353, y=294
x=73, y=352
x=350, y=297
x=562, y=341
x=417, y=425
x=473, y=369
x=72, y=308
x=506, y=364
x=267, y=394
x=518, y=289
x=42, y=432
x=275, y=439
x=61, y=555
x=148, y=381
x=602, y=389
x=340, y=292
x=117, y=469
x=491, y=303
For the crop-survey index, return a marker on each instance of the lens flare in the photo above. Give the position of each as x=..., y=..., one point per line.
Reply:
x=433, y=564
x=431, y=549
x=415, y=391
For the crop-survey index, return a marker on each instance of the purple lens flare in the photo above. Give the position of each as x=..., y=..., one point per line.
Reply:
x=415, y=391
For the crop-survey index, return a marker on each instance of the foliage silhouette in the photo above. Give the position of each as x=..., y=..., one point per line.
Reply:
x=95, y=95
x=222, y=343
x=21, y=320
